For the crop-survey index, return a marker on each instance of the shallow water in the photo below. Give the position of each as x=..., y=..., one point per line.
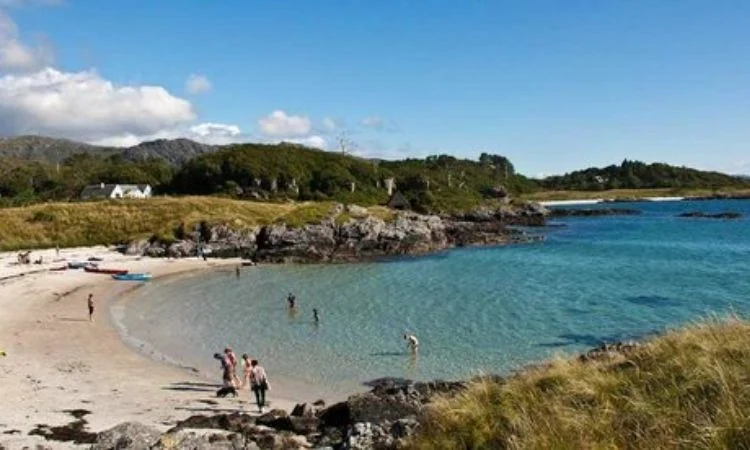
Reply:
x=474, y=310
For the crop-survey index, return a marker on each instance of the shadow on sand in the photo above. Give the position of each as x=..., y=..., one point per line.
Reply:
x=192, y=386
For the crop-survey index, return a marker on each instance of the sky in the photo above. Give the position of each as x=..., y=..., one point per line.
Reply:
x=553, y=85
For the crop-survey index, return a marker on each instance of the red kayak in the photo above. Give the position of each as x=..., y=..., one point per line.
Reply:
x=105, y=271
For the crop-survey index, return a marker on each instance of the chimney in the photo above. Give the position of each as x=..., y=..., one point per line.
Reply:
x=102, y=185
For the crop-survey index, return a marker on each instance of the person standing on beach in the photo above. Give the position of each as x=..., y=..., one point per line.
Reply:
x=259, y=383
x=226, y=369
x=91, y=307
x=246, y=369
x=232, y=359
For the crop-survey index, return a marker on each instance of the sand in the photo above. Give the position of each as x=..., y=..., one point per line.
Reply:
x=56, y=360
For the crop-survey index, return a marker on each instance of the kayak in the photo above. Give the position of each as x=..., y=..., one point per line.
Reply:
x=132, y=276
x=78, y=265
x=58, y=269
x=105, y=271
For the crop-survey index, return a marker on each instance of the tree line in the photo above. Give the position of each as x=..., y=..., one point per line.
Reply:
x=289, y=171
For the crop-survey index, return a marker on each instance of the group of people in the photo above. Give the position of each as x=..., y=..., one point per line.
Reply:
x=253, y=374
x=291, y=301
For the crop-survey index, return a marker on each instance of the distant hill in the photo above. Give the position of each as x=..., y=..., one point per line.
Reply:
x=52, y=150
x=640, y=175
x=175, y=151
x=46, y=149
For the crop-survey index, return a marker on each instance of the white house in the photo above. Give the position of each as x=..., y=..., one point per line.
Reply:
x=116, y=191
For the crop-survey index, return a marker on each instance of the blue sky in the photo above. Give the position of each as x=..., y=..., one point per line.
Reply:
x=553, y=85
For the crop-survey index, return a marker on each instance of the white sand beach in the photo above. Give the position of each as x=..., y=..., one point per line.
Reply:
x=57, y=360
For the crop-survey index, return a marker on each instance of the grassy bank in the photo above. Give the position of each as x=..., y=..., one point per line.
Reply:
x=110, y=222
x=626, y=194
x=687, y=389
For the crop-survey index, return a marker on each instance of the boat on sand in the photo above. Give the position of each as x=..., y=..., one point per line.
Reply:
x=136, y=276
x=92, y=269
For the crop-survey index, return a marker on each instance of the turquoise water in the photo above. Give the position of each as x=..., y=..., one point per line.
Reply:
x=474, y=310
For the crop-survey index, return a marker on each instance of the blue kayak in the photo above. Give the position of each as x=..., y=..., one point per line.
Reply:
x=132, y=276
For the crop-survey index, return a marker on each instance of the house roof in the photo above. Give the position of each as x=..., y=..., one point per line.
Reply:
x=105, y=190
x=98, y=190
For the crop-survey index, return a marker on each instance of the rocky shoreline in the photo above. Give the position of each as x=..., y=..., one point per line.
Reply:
x=359, y=236
x=383, y=418
x=705, y=215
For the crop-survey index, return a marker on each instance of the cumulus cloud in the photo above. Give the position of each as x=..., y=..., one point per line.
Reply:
x=310, y=141
x=15, y=56
x=4, y=3
x=85, y=106
x=207, y=133
x=329, y=124
x=374, y=122
x=280, y=124
x=198, y=84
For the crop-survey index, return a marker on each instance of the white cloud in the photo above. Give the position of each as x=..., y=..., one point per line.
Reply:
x=311, y=141
x=374, y=122
x=4, y=3
x=329, y=124
x=85, y=106
x=15, y=56
x=207, y=133
x=279, y=124
x=198, y=84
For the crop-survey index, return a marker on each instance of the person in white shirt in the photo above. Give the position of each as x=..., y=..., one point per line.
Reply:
x=259, y=383
x=411, y=341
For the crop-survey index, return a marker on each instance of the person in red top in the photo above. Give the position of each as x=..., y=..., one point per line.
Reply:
x=232, y=359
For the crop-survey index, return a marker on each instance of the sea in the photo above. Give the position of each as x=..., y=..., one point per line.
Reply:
x=475, y=311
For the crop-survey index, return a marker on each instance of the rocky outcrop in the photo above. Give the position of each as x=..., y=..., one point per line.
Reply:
x=360, y=237
x=383, y=418
x=705, y=215
x=592, y=212
x=380, y=419
x=128, y=435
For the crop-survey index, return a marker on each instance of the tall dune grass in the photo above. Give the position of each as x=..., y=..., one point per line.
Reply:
x=687, y=389
x=117, y=221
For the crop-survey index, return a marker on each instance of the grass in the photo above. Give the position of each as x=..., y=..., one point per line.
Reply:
x=118, y=221
x=625, y=194
x=687, y=389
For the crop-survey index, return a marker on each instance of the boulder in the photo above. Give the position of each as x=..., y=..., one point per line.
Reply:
x=366, y=436
x=127, y=436
x=136, y=248
x=192, y=440
x=303, y=410
x=357, y=211
x=277, y=419
x=236, y=422
x=304, y=425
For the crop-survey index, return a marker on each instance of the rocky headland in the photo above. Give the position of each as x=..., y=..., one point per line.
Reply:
x=705, y=215
x=350, y=233
x=592, y=212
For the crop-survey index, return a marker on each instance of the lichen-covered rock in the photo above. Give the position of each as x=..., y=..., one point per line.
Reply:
x=127, y=436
